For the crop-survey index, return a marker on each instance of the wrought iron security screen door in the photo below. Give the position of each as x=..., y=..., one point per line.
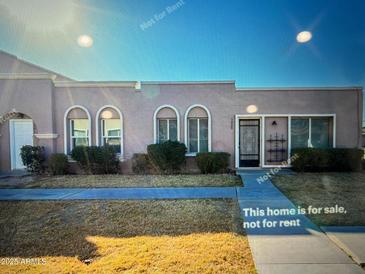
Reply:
x=249, y=144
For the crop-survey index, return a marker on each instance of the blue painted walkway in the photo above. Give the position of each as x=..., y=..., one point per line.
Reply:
x=119, y=193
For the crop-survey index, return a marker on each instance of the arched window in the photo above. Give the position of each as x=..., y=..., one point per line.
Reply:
x=77, y=126
x=198, y=129
x=166, y=124
x=109, y=128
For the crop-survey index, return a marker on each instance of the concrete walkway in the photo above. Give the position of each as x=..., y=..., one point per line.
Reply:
x=295, y=249
x=119, y=193
x=350, y=238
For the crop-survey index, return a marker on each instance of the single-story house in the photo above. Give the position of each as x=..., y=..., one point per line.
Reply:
x=257, y=126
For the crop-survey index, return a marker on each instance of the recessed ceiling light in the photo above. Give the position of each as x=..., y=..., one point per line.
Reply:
x=85, y=41
x=304, y=36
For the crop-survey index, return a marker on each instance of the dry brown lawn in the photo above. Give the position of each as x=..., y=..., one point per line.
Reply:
x=189, y=236
x=326, y=190
x=82, y=181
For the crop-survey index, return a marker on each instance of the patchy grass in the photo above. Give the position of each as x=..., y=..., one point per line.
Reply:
x=326, y=190
x=190, y=236
x=70, y=181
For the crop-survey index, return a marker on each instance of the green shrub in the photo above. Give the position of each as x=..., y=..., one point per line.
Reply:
x=109, y=160
x=96, y=160
x=320, y=160
x=141, y=164
x=33, y=158
x=167, y=157
x=212, y=162
x=58, y=164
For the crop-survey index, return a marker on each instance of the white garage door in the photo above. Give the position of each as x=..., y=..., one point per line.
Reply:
x=21, y=134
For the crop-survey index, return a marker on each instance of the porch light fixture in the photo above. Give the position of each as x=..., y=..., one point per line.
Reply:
x=251, y=109
x=274, y=123
x=304, y=36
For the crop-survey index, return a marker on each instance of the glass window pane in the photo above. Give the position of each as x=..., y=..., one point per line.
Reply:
x=111, y=127
x=299, y=133
x=193, y=135
x=79, y=127
x=162, y=130
x=173, y=130
x=320, y=133
x=203, y=134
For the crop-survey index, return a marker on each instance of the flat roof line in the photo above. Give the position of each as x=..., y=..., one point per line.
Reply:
x=187, y=82
x=299, y=88
x=132, y=84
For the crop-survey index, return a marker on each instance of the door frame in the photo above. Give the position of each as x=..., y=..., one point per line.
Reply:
x=237, y=138
x=259, y=143
x=11, y=143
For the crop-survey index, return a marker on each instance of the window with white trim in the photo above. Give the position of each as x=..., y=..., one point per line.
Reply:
x=111, y=133
x=312, y=132
x=166, y=124
x=167, y=130
x=197, y=135
x=79, y=132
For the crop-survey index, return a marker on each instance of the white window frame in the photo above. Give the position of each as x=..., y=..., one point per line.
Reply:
x=262, y=141
x=209, y=127
x=100, y=139
x=66, y=127
x=73, y=137
x=155, y=121
x=103, y=130
x=309, y=142
x=168, y=126
x=198, y=133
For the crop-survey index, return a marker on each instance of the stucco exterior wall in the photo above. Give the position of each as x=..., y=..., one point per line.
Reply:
x=10, y=64
x=223, y=102
x=46, y=104
x=33, y=98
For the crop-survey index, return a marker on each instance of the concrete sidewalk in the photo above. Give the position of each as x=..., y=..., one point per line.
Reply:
x=295, y=249
x=119, y=193
x=350, y=238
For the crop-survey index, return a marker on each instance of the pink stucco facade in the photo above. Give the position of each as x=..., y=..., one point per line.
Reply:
x=45, y=98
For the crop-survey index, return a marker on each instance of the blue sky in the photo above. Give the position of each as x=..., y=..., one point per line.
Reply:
x=252, y=42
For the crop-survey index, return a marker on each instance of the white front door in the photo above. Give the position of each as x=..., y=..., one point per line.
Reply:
x=21, y=134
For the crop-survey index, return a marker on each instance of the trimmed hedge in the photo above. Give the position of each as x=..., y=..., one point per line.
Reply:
x=58, y=164
x=167, y=157
x=213, y=162
x=141, y=164
x=320, y=160
x=33, y=157
x=96, y=160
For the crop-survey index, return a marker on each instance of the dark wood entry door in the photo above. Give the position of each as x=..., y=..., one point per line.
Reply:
x=249, y=143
